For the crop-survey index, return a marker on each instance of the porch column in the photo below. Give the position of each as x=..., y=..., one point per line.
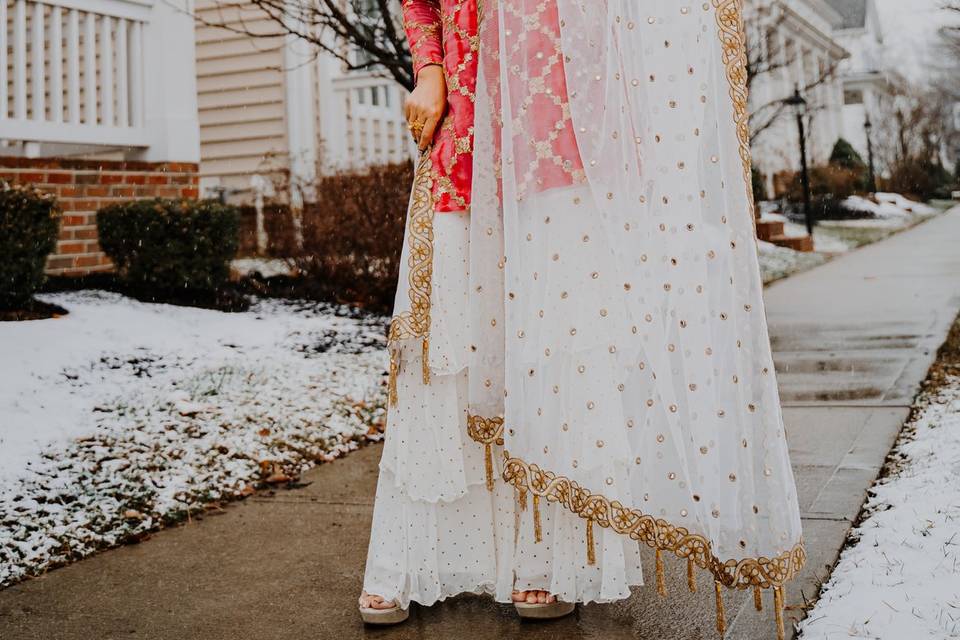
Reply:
x=169, y=84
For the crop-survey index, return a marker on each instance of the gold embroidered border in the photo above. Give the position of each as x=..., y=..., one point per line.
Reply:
x=415, y=323
x=654, y=532
x=733, y=43
x=488, y=432
x=485, y=430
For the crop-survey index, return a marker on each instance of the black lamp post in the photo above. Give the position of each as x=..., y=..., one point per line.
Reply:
x=871, y=176
x=800, y=108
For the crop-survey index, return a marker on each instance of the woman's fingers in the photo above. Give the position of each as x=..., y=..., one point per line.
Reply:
x=425, y=105
x=426, y=136
x=422, y=120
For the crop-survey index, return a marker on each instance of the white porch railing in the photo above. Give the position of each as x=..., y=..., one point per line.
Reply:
x=79, y=76
x=76, y=74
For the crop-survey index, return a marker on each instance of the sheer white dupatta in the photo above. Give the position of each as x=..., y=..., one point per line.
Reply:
x=616, y=314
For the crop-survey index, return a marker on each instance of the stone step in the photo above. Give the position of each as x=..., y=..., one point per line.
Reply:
x=767, y=229
x=797, y=243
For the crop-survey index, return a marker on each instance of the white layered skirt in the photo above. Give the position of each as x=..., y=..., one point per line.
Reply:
x=438, y=529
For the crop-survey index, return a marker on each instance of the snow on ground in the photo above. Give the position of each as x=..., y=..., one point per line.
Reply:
x=264, y=267
x=779, y=262
x=901, y=579
x=122, y=415
x=891, y=213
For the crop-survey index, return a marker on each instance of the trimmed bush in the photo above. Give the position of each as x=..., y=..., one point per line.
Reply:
x=170, y=249
x=353, y=234
x=826, y=180
x=29, y=224
x=921, y=178
x=844, y=155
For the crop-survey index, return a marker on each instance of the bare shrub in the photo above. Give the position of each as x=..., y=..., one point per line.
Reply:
x=353, y=235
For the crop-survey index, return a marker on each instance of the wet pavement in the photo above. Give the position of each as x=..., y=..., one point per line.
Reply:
x=852, y=339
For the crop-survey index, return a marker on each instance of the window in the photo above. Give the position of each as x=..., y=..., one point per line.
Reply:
x=853, y=96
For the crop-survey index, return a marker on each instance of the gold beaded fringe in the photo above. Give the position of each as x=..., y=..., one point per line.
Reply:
x=394, y=372
x=661, y=577
x=488, y=464
x=537, y=532
x=426, y=359
x=660, y=566
x=721, y=616
x=591, y=554
x=778, y=607
x=597, y=511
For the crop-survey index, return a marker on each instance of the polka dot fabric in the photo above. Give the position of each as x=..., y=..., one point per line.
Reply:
x=611, y=324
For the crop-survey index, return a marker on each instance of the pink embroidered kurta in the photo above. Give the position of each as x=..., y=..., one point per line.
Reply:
x=445, y=32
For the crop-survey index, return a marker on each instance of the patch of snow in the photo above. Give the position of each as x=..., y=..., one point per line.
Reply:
x=901, y=578
x=265, y=267
x=779, y=262
x=123, y=415
x=827, y=243
x=774, y=216
x=904, y=204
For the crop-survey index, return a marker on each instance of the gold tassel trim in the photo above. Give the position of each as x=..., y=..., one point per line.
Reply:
x=661, y=575
x=394, y=372
x=488, y=463
x=721, y=616
x=778, y=607
x=537, y=531
x=591, y=553
x=691, y=578
x=426, y=360
x=522, y=499
x=757, y=599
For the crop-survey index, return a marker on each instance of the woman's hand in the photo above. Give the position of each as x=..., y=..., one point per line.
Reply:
x=425, y=105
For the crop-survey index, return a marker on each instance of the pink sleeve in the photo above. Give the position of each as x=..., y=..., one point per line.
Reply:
x=421, y=20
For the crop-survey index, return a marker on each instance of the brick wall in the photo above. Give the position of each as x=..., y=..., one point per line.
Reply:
x=83, y=186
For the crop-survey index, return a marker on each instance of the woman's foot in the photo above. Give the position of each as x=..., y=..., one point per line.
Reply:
x=534, y=597
x=376, y=610
x=540, y=605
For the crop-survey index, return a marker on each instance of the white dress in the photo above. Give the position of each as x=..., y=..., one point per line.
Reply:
x=596, y=341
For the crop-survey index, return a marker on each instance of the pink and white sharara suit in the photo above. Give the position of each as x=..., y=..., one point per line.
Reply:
x=580, y=364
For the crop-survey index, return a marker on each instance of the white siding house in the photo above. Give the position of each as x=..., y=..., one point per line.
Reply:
x=869, y=85
x=273, y=111
x=796, y=37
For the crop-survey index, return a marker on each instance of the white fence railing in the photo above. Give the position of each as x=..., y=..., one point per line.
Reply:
x=376, y=131
x=72, y=72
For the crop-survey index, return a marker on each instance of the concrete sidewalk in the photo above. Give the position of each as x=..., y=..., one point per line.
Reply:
x=853, y=339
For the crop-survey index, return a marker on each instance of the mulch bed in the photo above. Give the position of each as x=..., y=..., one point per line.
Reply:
x=33, y=310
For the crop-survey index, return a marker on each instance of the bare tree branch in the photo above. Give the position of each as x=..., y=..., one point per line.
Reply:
x=364, y=35
x=767, y=57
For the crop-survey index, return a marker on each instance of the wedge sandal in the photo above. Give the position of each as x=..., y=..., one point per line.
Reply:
x=383, y=617
x=545, y=611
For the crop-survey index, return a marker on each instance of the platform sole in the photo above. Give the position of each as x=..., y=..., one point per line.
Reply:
x=384, y=617
x=544, y=611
